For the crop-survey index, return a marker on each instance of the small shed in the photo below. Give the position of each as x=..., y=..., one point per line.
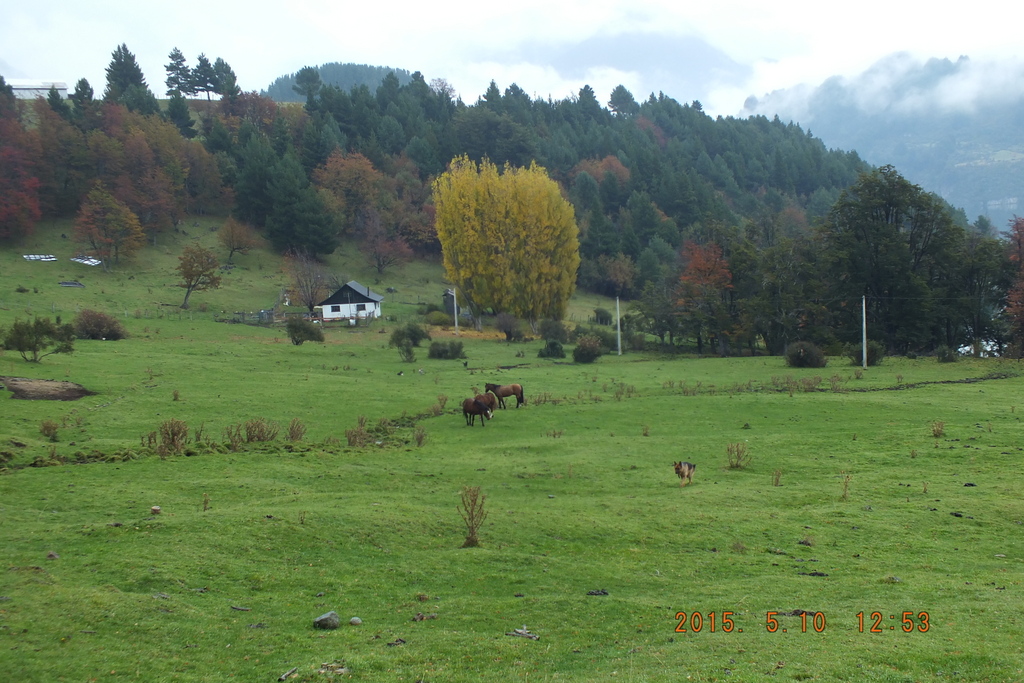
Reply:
x=351, y=302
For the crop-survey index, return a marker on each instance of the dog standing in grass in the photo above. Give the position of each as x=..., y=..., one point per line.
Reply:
x=684, y=470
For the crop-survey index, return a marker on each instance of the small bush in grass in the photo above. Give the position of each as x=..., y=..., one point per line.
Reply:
x=588, y=349
x=358, y=436
x=173, y=436
x=554, y=330
x=944, y=354
x=410, y=333
x=301, y=330
x=473, y=514
x=233, y=433
x=438, y=319
x=91, y=324
x=420, y=434
x=48, y=428
x=442, y=399
x=855, y=352
x=938, y=429
x=406, y=352
x=738, y=455
x=552, y=349
x=446, y=350
x=296, y=430
x=259, y=429
x=804, y=355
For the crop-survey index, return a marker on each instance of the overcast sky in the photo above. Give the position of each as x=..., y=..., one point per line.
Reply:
x=719, y=52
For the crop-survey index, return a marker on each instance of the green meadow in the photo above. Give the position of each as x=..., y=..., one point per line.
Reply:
x=872, y=532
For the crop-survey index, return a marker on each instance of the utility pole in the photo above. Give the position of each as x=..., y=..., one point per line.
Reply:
x=864, y=331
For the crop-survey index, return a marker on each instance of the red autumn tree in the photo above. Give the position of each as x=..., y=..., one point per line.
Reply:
x=703, y=288
x=19, y=183
x=352, y=183
x=1015, y=295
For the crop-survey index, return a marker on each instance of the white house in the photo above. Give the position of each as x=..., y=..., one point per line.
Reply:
x=351, y=302
x=29, y=90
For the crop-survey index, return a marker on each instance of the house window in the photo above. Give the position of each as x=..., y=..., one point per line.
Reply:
x=360, y=308
x=335, y=309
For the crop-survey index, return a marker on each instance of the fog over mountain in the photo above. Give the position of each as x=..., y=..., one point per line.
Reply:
x=954, y=127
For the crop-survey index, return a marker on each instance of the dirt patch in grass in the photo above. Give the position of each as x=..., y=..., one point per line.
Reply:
x=44, y=389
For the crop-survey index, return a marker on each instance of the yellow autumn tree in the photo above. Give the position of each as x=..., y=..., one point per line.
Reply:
x=509, y=240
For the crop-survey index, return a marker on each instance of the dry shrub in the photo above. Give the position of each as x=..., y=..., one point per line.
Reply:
x=938, y=429
x=259, y=430
x=442, y=400
x=473, y=514
x=777, y=478
x=48, y=428
x=846, y=485
x=296, y=430
x=233, y=433
x=738, y=455
x=173, y=436
x=359, y=436
x=420, y=434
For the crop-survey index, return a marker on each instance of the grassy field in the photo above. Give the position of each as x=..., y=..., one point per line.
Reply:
x=893, y=491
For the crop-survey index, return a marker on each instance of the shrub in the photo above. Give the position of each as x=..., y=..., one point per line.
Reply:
x=406, y=352
x=473, y=514
x=552, y=349
x=427, y=309
x=588, y=349
x=738, y=456
x=446, y=350
x=876, y=352
x=48, y=428
x=804, y=355
x=296, y=430
x=602, y=316
x=509, y=325
x=439, y=319
x=554, y=330
x=173, y=436
x=91, y=324
x=259, y=429
x=944, y=354
x=301, y=330
x=411, y=334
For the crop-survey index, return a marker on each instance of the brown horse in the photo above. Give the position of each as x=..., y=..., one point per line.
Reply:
x=503, y=390
x=471, y=408
x=488, y=399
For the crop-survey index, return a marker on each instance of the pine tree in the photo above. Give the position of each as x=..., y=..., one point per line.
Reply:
x=179, y=75
x=122, y=73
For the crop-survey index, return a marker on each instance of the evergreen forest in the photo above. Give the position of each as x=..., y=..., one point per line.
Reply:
x=721, y=235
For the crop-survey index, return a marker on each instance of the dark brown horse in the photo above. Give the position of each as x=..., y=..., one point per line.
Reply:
x=471, y=408
x=501, y=391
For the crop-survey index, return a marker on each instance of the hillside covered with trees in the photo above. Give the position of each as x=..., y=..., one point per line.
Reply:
x=728, y=234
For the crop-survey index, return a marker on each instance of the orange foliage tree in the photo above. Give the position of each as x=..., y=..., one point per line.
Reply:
x=703, y=287
x=108, y=227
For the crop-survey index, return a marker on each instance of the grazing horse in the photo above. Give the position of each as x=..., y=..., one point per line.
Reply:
x=501, y=391
x=488, y=399
x=471, y=408
x=685, y=471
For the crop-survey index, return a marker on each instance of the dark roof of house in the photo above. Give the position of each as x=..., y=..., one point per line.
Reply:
x=352, y=293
